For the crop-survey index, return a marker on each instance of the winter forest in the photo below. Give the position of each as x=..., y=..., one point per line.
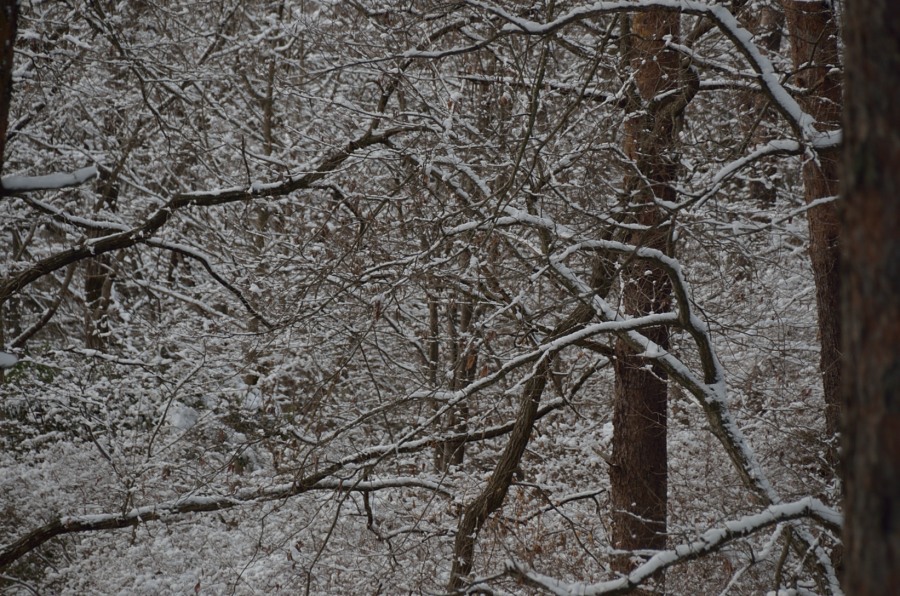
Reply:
x=433, y=297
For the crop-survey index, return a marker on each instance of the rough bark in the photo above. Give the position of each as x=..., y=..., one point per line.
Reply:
x=638, y=475
x=812, y=30
x=9, y=20
x=9, y=17
x=870, y=305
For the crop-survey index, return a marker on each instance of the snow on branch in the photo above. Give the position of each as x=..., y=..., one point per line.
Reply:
x=204, y=260
x=9, y=553
x=56, y=181
x=711, y=541
x=709, y=389
x=122, y=238
x=801, y=121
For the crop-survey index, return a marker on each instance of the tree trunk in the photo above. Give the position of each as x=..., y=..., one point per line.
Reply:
x=638, y=475
x=9, y=20
x=871, y=299
x=491, y=498
x=464, y=359
x=758, y=119
x=812, y=30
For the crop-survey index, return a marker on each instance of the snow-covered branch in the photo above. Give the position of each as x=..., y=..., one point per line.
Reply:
x=56, y=181
x=73, y=524
x=711, y=541
x=709, y=389
x=801, y=121
x=121, y=239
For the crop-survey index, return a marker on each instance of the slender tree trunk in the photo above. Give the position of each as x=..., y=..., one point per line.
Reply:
x=871, y=299
x=757, y=114
x=812, y=30
x=464, y=359
x=638, y=475
x=477, y=511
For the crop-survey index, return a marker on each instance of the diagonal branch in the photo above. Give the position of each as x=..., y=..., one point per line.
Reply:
x=121, y=239
x=13, y=551
x=709, y=542
x=204, y=260
x=801, y=121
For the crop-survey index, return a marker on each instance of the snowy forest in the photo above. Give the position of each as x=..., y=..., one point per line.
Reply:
x=437, y=297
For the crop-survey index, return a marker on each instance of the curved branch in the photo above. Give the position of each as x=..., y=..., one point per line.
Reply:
x=801, y=121
x=709, y=390
x=204, y=260
x=709, y=542
x=119, y=239
x=13, y=551
x=48, y=313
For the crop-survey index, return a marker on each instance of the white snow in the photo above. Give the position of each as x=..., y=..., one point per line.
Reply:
x=49, y=181
x=7, y=360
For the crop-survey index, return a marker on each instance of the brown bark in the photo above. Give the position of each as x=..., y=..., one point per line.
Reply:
x=9, y=20
x=812, y=30
x=871, y=299
x=757, y=114
x=464, y=358
x=477, y=512
x=638, y=475
x=491, y=498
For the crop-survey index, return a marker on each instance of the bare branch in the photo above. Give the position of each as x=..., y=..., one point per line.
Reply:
x=709, y=542
x=141, y=233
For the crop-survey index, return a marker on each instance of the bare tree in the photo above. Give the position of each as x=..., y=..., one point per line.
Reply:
x=328, y=245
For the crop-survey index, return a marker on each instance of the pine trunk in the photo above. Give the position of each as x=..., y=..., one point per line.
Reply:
x=638, y=475
x=871, y=299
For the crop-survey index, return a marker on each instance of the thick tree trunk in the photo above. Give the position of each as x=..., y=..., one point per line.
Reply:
x=9, y=20
x=812, y=30
x=638, y=475
x=871, y=299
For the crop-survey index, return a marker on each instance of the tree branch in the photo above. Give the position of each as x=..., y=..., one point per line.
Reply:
x=119, y=240
x=13, y=551
x=709, y=542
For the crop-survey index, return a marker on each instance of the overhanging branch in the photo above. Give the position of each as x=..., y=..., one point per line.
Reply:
x=709, y=542
x=119, y=239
